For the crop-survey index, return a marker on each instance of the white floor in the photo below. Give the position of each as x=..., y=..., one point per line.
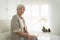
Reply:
x=47, y=36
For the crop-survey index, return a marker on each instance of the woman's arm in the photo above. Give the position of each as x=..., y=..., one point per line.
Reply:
x=22, y=34
x=25, y=30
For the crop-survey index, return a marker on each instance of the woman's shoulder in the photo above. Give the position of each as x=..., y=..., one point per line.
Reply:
x=14, y=17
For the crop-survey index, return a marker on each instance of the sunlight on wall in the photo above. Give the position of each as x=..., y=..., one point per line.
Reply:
x=33, y=15
x=45, y=15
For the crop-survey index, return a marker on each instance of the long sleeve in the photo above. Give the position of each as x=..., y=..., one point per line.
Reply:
x=15, y=26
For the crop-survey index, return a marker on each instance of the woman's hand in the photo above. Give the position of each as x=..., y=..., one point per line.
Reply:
x=30, y=37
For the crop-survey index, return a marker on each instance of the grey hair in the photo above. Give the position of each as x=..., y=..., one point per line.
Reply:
x=20, y=6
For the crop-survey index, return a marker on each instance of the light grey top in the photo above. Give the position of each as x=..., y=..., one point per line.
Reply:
x=15, y=27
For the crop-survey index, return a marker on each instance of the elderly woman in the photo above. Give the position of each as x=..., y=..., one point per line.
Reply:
x=18, y=27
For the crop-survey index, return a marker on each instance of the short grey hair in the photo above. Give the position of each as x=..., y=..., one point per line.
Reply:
x=20, y=6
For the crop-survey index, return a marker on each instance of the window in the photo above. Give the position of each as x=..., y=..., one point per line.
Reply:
x=33, y=14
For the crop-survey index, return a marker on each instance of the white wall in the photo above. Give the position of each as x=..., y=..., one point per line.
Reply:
x=7, y=9
x=55, y=16
x=3, y=9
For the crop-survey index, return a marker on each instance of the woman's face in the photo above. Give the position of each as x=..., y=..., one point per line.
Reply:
x=20, y=11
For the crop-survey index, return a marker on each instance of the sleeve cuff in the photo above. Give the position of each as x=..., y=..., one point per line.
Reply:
x=17, y=30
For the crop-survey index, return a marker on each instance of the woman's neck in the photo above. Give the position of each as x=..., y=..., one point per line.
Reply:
x=20, y=16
